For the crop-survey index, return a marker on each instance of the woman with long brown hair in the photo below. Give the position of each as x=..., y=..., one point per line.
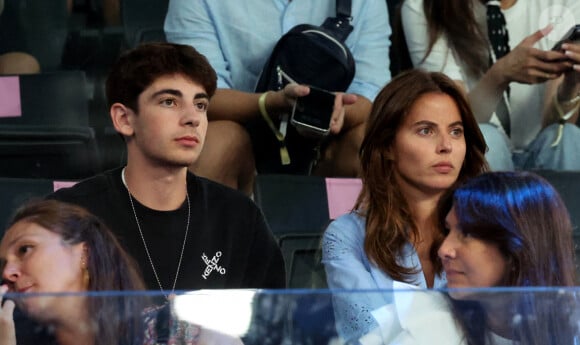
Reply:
x=421, y=139
x=524, y=93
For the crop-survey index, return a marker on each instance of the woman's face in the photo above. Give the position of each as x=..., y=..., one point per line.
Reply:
x=429, y=147
x=469, y=262
x=36, y=260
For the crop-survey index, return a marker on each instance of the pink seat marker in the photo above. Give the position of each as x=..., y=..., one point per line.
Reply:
x=342, y=194
x=10, y=105
x=62, y=184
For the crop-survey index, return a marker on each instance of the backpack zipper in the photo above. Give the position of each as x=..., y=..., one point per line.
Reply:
x=332, y=39
x=283, y=75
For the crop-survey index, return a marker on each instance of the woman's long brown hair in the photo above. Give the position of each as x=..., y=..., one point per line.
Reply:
x=116, y=319
x=455, y=19
x=389, y=222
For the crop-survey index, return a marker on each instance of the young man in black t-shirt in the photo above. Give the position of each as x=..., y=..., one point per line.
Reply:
x=185, y=231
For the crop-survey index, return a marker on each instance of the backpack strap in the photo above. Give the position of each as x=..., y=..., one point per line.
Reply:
x=340, y=26
x=343, y=8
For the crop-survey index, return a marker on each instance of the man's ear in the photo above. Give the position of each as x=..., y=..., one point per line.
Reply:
x=121, y=121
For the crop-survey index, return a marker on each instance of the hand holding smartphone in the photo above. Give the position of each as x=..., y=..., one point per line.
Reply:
x=573, y=35
x=312, y=113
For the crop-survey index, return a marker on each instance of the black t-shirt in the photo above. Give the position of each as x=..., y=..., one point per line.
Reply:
x=229, y=244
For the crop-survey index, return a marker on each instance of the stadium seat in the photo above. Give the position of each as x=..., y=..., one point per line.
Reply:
x=16, y=191
x=44, y=127
x=143, y=21
x=298, y=209
x=37, y=27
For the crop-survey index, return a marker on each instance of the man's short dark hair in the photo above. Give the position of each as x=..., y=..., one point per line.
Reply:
x=138, y=68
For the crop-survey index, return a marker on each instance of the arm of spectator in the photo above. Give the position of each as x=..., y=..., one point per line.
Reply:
x=239, y=106
x=565, y=90
x=524, y=64
x=357, y=112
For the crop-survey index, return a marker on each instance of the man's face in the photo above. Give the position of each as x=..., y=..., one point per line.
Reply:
x=171, y=125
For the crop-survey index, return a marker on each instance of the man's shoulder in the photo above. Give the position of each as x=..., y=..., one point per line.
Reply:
x=214, y=192
x=90, y=189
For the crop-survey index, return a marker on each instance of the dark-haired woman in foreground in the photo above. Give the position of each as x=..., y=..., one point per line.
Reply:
x=509, y=229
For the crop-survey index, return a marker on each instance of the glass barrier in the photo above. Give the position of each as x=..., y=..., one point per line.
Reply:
x=408, y=316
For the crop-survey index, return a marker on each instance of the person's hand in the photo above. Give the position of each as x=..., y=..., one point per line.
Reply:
x=7, y=330
x=528, y=65
x=292, y=91
x=339, y=111
x=572, y=75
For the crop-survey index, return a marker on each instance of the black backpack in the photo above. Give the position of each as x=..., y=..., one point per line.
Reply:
x=307, y=54
x=313, y=55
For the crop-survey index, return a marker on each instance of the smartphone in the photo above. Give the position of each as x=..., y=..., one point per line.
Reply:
x=312, y=113
x=573, y=35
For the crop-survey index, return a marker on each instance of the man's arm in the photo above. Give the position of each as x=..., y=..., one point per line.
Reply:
x=239, y=106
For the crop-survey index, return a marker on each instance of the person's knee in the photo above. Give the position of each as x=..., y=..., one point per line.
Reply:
x=230, y=139
x=555, y=148
x=341, y=155
x=225, y=142
x=18, y=63
x=227, y=155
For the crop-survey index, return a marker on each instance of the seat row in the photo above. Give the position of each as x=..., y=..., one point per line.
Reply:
x=298, y=209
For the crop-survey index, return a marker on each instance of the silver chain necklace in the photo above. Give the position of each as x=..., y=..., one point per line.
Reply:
x=145, y=243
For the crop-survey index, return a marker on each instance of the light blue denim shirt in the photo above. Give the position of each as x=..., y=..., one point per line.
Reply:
x=348, y=267
x=237, y=37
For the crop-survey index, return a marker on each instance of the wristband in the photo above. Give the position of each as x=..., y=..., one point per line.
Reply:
x=569, y=102
x=262, y=106
x=564, y=117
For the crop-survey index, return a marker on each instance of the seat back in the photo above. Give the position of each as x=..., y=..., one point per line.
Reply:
x=44, y=127
x=45, y=152
x=16, y=191
x=38, y=27
x=143, y=21
x=298, y=209
x=302, y=256
x=55, y=99
x=567, y=183
x=292, y=203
